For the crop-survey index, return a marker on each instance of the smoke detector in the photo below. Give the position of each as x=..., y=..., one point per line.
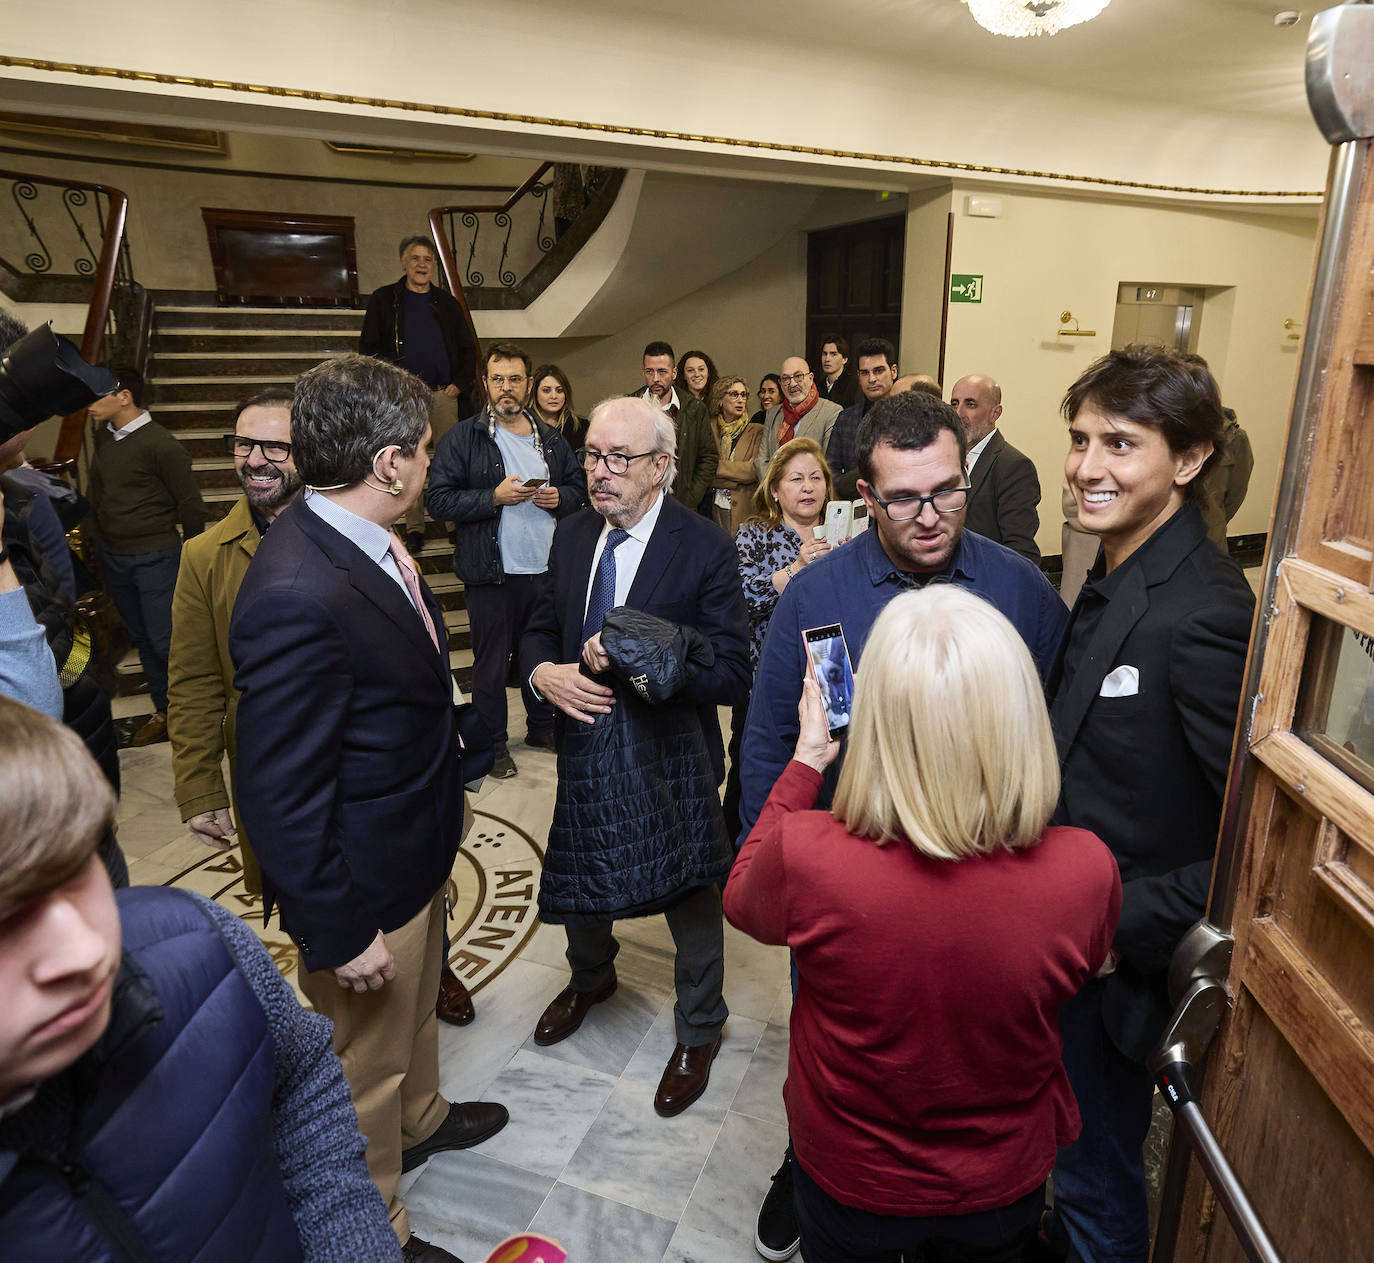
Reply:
x=1288, y=17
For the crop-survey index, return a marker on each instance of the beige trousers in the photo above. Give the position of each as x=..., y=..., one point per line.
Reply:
x=388, y=1041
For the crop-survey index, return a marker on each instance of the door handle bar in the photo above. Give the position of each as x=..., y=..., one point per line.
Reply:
x=1199, y=970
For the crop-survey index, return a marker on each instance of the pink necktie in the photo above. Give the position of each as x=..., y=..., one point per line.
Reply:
x=411, y=578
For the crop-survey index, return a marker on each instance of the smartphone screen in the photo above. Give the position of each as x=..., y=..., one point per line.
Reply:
x=829, y=658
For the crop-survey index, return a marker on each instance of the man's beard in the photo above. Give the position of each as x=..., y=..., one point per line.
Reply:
x=507, y=407
x=270, y=495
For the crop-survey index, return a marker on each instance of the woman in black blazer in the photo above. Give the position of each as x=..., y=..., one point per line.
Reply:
x=1143, y=700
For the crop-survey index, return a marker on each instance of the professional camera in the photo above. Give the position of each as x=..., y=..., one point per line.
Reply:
x=43, y=375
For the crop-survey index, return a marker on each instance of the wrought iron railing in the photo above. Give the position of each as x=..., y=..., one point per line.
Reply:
x=79, y=229
x=501, y=255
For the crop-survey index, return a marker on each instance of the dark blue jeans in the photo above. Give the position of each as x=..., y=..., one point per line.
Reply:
x=1099, y=1180
x=141, y=586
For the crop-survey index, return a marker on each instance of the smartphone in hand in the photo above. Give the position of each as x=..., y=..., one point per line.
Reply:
x=828, y=654
x=534, y=483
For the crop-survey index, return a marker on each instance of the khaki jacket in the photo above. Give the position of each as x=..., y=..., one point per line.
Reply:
x=201, y=699
x=736, y=473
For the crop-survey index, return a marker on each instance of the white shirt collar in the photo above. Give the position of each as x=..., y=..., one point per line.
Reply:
x=976, y=450
x=124, y=431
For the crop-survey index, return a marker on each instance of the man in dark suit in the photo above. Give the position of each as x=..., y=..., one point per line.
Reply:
x=350, y=766
x=1143, y=699
x=697, y=454
x=1004, y=487
x=877, y=380
x=836, y=382
x=637, y=823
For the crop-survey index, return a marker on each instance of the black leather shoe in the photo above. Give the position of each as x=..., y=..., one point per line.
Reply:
x=685, y=1077
x=539, y=738
x=569, y=1007
x=417, y=1251
x=468, y=1123
x=503, y=766
x=775, y=1232
x=415, y=540
x=455, y=1004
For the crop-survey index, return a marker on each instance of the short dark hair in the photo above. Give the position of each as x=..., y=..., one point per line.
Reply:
x=130, y=379
x=11, y=329
x=877, y=346
x=407, y=242
x=660, y=348
x=507, y=351
x=277, y=397
x=771, y=377
x=349, y=408
x=927, y=388
x=910, y=421
x=1174, y=393
x=840, y=341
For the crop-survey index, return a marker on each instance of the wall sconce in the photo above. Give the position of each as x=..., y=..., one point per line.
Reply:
x=1291, y=324
x=1064, y=318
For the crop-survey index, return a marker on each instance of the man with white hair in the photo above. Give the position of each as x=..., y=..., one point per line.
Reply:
x=642, y=635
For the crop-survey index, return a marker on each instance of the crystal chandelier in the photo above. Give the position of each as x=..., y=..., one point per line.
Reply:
x=1032, y=17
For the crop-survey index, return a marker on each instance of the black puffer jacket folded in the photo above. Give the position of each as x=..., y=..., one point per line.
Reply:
x=639, y=822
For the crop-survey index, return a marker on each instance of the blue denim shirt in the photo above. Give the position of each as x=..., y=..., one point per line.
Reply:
x=850, y=586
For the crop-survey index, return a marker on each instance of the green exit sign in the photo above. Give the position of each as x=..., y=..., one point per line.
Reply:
x=965, y=288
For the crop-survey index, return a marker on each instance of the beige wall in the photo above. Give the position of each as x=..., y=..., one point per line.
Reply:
x=1045, y=254
x=747, y=322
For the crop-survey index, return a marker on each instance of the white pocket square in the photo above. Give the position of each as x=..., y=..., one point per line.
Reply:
x=1123, y=682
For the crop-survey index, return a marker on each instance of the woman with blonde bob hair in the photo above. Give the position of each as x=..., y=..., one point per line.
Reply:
x=938, y=926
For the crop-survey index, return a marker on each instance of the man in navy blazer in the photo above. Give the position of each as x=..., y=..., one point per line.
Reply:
x=350, y=765
x=637, y=825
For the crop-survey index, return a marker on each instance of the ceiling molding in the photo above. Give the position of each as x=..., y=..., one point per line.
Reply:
x=681, y=138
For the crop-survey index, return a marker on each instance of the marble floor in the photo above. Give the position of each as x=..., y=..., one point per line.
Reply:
x=584, y=1159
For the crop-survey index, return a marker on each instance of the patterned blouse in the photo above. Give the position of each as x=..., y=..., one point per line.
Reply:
x=763, y=549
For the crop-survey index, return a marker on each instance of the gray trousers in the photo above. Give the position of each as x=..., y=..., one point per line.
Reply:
x=698, y=968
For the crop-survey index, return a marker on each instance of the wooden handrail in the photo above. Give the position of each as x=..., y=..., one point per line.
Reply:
x=450, y=264
x=98, y=311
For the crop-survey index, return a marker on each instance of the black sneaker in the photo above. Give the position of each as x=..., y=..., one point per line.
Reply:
x=503, y=765
x=775, y=1235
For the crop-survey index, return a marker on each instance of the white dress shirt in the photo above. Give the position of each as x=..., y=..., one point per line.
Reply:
x=976, y=450
x=124, y=431
x=627, y=556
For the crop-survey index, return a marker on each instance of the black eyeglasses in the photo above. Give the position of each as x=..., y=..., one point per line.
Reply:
x=904, y=508
x=615, y=462
x=241, y=445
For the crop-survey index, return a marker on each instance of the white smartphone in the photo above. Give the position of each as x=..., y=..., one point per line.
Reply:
x=829, y=657
x=838, y=514
x=859, y=523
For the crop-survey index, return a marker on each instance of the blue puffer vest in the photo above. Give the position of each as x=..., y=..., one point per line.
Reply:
x=156, y=1146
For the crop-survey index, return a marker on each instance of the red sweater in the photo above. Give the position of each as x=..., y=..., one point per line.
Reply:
x=924, y=1076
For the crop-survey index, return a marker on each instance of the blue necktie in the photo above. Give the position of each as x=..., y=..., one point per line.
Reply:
x=603, y=586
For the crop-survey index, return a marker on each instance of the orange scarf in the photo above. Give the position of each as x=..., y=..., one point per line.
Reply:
x=791, y=416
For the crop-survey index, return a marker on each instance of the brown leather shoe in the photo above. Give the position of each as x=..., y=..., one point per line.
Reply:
x=153, y=730
x=685, y=1077
x=569, y=1007
x=455, y=1004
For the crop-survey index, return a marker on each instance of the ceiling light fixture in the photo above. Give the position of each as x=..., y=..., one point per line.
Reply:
x=1032, y=17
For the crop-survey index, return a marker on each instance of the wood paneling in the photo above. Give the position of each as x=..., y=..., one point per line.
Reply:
x=264, y=259
x=854, y=284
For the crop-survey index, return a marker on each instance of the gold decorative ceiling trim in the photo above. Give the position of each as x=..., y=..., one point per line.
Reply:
x=616, y=129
